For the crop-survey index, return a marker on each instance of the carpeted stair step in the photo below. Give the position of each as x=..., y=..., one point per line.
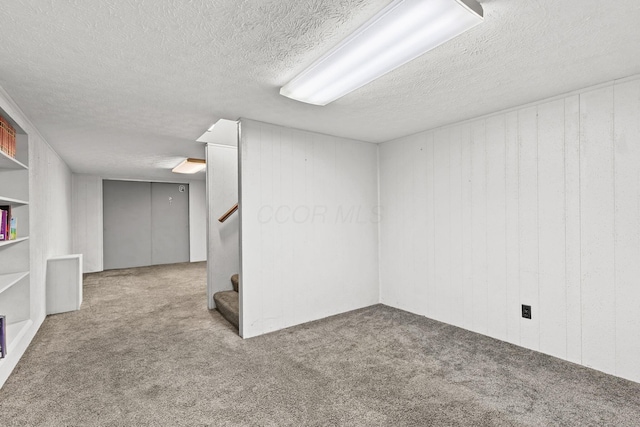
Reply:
x=234, y=281
x=227, y=303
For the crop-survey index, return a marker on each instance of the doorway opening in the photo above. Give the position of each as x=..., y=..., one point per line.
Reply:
x=224, y=275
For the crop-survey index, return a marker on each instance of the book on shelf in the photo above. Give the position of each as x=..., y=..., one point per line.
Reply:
x=13, y=228
x=5, y=222
x=7, y=138
x=3, y=139
x=3, y=336
x=4, y=136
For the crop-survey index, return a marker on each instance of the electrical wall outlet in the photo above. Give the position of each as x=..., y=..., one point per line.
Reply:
x=526, y=311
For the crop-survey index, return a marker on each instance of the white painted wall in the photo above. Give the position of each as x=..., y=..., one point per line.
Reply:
x=197, y=221
x=88, y=220
x=49, y=219
x=224, y=239
x=309, y=226
x=539, y=205
x=49, y=215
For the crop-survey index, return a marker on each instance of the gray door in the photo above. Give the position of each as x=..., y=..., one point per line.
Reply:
x=127, y=224
x=169, y=223
x=145, y=223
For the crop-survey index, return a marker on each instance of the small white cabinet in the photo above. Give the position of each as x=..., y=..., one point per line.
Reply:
x=64, y=283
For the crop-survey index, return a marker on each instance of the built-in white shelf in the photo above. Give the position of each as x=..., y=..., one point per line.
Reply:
x=13, y=202
x=16, y=297
x=11, y=242
x=7, y=162
x=15, y=332
x=8, y=280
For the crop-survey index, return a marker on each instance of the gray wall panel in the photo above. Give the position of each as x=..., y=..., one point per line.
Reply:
x=169, y=223
x=127, y=224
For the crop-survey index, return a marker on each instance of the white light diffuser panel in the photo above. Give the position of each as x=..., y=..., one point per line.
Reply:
x=398, y=34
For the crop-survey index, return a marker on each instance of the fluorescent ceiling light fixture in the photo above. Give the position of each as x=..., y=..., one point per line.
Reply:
x=190, y=166
x=401, y=32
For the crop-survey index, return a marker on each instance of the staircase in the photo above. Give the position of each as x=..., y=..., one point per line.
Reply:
x=227, y=302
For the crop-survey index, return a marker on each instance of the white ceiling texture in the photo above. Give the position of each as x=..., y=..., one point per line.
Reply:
x=124, y=87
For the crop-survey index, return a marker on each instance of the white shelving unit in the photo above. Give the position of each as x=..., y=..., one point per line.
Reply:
x=11, y=242
x=15, y=289
x=16, y=333
x=13, y=202
x=8, y=280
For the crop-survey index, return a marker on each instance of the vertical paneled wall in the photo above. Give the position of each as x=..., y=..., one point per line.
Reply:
x=49, y=216
x=537, y=206
x=88, y=221
x=197, y=221
x=309, y=226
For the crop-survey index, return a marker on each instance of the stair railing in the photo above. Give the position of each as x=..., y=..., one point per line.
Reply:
x=228, y=213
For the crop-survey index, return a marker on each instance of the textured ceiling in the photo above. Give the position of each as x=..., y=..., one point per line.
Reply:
x=124, y=87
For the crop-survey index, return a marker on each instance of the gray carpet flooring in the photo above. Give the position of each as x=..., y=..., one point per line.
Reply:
x=144, y=350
